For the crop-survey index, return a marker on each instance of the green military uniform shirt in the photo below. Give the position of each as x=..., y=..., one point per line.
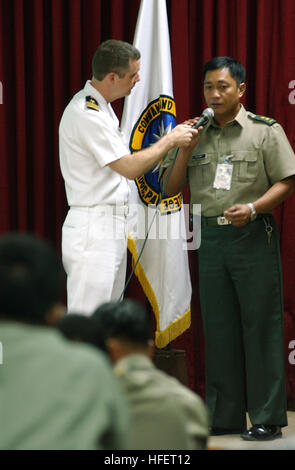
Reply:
x=259, y=151
x=164, y=413
x=56, y=394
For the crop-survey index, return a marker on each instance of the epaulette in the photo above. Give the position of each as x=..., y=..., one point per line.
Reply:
x=91, y=103
x=267, y=120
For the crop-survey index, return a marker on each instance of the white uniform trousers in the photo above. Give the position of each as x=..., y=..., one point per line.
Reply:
x=94, y=252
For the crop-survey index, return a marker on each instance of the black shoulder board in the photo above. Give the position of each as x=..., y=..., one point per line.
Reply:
x=91, y=103
x=267, y=120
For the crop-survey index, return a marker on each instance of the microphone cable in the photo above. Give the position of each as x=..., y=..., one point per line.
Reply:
x=150, y=226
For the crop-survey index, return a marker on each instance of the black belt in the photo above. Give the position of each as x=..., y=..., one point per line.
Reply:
x=221, y=220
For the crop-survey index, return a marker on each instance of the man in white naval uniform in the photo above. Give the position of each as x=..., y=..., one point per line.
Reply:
x=95, y=163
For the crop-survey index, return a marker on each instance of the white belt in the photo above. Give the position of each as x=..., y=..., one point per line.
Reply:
x=105, y=209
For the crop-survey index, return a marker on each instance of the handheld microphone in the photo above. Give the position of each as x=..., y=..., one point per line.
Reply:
x=204, y=118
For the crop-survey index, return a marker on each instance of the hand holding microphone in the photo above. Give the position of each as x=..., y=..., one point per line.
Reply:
x=182, y=135
x=204, y=118
x=207, y=114
x=179, y=180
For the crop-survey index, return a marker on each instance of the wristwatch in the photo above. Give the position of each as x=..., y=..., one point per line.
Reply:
x=253, y=213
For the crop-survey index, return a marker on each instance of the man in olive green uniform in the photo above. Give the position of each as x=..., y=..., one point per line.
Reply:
x=164, y=413
x=239, y=168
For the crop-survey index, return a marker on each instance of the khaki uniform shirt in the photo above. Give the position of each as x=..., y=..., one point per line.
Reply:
x=259, y=151
x=164, y=413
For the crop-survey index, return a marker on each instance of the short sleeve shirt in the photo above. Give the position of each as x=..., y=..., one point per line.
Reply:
x=260, y=154
x=90, y=139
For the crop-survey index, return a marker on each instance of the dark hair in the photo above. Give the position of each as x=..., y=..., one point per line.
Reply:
x=235, y=68
x=126, y=320
x=113, y=56
x=81, y=328
x=31, y=277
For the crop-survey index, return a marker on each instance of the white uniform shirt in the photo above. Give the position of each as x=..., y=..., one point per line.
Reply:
x=90, y=139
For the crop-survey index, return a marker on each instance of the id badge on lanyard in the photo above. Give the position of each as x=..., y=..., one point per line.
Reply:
x=223, y=175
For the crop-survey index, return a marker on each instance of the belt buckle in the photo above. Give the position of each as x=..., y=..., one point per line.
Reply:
x=221, y=220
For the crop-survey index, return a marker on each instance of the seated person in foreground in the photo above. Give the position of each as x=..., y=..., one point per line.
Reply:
x=54, y=394
x=164, y=413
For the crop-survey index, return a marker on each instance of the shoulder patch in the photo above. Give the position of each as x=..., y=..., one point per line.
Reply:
x=91, y=103
x=267, y=120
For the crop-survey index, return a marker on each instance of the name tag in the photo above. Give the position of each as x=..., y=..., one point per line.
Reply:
x=198, y=157
x=223, y=176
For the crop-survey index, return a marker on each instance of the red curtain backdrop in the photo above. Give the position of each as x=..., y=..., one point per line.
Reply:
x=46, y=48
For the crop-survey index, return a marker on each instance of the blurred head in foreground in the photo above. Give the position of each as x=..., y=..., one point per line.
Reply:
x=31, y=280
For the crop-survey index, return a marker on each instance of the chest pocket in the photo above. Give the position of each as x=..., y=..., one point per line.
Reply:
x=246, y=165
x=200, y=169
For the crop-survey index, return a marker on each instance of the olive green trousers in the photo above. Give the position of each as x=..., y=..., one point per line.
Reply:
x=242, y=309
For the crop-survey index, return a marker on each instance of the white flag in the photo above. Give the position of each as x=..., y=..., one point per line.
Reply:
x=149, y=113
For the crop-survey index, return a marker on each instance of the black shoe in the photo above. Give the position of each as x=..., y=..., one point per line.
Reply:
x=259, y=432
x=222, y=431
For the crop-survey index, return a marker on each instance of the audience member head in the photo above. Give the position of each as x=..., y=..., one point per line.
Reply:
x=31, y=280
x=125, y=327
x=81, y=328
